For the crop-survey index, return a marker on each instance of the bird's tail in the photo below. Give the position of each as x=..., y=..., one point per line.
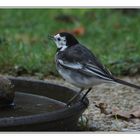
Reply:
x=126, y=83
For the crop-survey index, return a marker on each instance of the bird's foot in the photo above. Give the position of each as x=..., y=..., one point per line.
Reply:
x=68, y=104
x=83, y=101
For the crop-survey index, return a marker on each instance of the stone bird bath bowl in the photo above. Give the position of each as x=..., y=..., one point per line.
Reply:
x=40, y=106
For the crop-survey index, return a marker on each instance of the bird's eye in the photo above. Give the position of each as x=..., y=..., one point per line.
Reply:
x=58, y=39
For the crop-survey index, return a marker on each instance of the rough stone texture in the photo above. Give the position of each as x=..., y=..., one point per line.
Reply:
x=7, y=92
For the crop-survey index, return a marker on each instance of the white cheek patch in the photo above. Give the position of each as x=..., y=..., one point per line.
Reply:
x=60, y=44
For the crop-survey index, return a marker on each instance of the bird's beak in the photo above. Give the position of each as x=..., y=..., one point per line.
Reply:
x=50, y=37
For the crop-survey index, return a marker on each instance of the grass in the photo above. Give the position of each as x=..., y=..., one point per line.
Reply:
x=24, y=49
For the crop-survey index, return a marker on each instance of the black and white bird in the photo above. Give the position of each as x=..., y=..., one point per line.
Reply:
x=79, y=66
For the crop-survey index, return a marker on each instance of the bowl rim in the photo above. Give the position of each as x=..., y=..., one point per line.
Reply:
x=44, y=117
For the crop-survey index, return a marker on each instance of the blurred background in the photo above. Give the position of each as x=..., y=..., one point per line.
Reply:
x=112, y=35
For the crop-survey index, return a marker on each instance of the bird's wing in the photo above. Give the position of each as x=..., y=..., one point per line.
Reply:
x=85, y=69
x=80, y=55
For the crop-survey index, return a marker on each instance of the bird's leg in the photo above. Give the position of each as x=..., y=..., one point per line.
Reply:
x=76, y=95
x=86, y=94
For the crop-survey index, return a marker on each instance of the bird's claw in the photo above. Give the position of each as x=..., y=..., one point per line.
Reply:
x=68, y=104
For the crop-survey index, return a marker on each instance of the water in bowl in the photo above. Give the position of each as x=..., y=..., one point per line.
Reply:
x=31, y=104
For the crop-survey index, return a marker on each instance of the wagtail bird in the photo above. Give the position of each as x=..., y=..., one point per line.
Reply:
x=79, y=66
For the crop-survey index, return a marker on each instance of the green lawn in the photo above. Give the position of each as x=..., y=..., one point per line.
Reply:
x=24, y=49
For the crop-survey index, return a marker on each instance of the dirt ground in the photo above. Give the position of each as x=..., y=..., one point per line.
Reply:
x=115, y=96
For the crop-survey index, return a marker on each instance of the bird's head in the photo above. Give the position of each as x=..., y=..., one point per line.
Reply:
x=64, y=40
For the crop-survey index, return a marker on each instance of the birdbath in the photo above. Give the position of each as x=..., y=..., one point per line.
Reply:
x=41, y=106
